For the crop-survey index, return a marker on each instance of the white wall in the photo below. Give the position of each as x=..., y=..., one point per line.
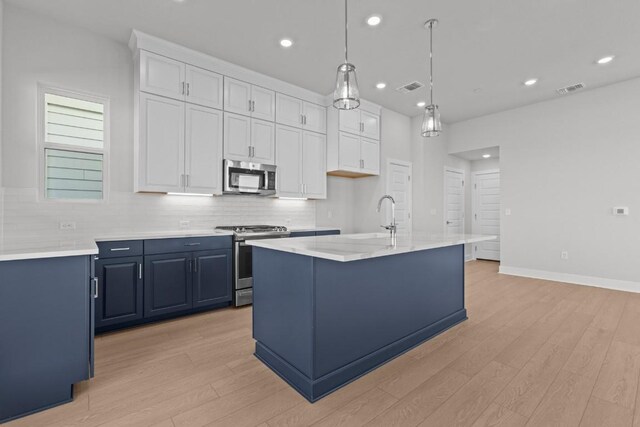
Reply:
x=38, y=49
x=564, y=164
x=485, y=164
x=1, y=84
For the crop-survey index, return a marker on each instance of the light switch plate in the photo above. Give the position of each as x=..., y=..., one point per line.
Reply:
x=621, y=211
x=507, y=212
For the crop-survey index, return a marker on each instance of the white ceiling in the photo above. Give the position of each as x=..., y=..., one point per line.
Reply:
x=472, y=155
x=483, y=49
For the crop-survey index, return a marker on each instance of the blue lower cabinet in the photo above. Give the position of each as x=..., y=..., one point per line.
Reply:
x=119, y=291
x=327, y=232
x=313, y=233
x=168, y=284
x=211, y=277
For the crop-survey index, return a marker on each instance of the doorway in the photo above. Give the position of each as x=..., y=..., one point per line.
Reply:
x=453, y=201
x=399, y=187
x=486, y=213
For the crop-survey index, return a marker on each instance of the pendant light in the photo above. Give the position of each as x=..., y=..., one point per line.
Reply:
x=431, y=125
x=346, y=95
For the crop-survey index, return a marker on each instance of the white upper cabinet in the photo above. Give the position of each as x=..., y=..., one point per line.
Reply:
x=314, y=165
x=370, y=125
x=162, y=76
x=315, y=117
x=249, y=140
x=203, y=87
x=263, y=142
x=288, y=160
x=350, y=121
x=360, y=122
x=289, y=110
x=244, y=98
x=349, y=152
x=203, y=150
x=161, y=144
x=370, y=155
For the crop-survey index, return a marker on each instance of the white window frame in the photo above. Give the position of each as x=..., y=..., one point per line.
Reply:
x=43, y=145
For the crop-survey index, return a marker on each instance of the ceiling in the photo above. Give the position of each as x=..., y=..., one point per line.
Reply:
x=472, y=155
x=484, y=50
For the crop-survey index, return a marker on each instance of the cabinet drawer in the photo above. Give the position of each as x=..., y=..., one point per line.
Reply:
x=165, y=246
x=120, y=248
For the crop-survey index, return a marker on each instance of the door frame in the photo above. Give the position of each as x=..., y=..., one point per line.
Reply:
x=387, y=184
x=474, y=202
x=444, y=188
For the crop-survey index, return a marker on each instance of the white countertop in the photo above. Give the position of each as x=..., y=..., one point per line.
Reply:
x=312, y=228
x=163, y=235
x=353, y=247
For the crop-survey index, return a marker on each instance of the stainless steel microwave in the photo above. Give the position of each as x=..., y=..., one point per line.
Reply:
x=249, y=178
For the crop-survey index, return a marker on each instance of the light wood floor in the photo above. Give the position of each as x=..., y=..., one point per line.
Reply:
x=532, y=353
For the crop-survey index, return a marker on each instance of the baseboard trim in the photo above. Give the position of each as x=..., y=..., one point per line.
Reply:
x=577, y=279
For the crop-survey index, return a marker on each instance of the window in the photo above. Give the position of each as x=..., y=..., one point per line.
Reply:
x=74, y=144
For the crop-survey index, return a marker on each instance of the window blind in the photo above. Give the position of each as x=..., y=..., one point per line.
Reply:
x=73, y=175
x=74, y=122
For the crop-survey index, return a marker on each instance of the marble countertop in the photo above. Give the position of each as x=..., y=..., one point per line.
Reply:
x=312, y=228
x=163, y=235
x=353, y=247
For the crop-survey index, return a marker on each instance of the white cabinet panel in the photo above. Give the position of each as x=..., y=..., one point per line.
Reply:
x=237, y=136
x=263, y=103
x=237, y=96
x=288, y=110
x=203, y=154
x=349, y=152
x=288, y=160
x=204, y=87
x=263, y=142
x=370, y=125
x=315, y=117
x=161, y=76
x=370, y=153
x=161, y=144
x=314, y=165
x=349, y=121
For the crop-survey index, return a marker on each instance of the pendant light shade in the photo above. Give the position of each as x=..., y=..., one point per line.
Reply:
x=431, y=125
x=346, y=95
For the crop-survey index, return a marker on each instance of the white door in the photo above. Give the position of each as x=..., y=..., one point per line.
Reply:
x=486, y=215
x=454, y=201
x=370, y=153
x=314, y=165
x=237, y=137
x=263, y=142
x=204, y=87
x=263, y=103
x=315, y=117
x=400, y=188
x=288, y=110
x=203, y=150
x=349, y=152
x=288, y=161
x=370, y=125
x=161, y=155
x=161, y=76
x=237, y=96
x=350, y=121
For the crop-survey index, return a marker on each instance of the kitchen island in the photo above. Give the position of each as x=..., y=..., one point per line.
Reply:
x=332, y=308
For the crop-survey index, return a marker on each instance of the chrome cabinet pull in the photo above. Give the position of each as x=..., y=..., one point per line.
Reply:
x=140, y=270
x=253, y=106
x=249, y=105
x=187, y=89
x=182, y=88
x=192, y=244
x=195, y=264
x=95, y=287
x=301, y=119
x=119, y=249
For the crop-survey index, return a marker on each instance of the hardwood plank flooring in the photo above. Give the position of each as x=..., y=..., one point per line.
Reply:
x=532, y=353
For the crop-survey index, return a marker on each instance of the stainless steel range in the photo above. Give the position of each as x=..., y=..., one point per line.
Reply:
x=243, y=277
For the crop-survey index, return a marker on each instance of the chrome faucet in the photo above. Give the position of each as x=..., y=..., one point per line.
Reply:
x=393, y=228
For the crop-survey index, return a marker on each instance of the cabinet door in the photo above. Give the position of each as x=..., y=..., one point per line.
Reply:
x=119, y=291
x=167, y=286
x=315, y=117
x=203, y=153
x=370, y=125
x=237, y=95
x=263, y=137
x=237, y=137
x=349, y=152
x=350, y=121
x=288, y=110
x=161, y=76
x=314, y=165
x=204, y=87
x=264, y=103
x=161, y=144
x=370, y=156
x=288, y=160
x=211, y=277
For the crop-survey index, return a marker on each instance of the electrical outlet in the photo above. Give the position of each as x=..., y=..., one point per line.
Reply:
x=184, y=224
x=329, y=214
x=564, y=255
x=67, y=225
x=507, y=212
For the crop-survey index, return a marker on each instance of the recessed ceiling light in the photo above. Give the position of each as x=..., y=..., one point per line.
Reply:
x=421, y=104
x=486, y=156
x=286, y=43
x=381, y=85
x=374, y=20
x=605, y=60
x=530, y=82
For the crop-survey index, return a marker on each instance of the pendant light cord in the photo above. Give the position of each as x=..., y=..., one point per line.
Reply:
x=346, y=42
x=431, y=60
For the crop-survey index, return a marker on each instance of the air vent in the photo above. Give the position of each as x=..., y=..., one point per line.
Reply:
x=570, y=89
x=410, y=87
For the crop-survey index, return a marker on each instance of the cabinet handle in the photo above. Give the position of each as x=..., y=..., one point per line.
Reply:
x=187, y=180
x=192, y=244
x=305, y=119
x=187, y=89
x=139, y=270
x=301, y=119
x=190, y=266
x=119, y=249
x=253, y=106
x=249, y=105
x=182, y=88
x=95, y=287
x=195, y=264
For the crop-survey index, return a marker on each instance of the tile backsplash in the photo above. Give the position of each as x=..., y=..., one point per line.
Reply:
x=27, y=219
